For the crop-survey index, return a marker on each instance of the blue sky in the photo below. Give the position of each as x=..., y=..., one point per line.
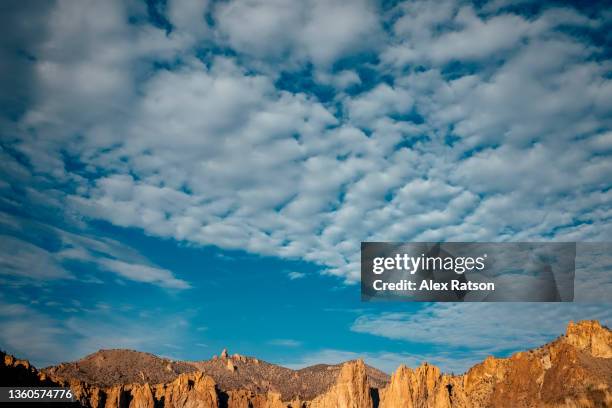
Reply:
x=183, y=176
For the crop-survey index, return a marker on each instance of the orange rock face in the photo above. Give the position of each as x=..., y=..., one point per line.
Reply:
x=589, y=336
x=573, y=371
x=352, y=389
x=424, y=387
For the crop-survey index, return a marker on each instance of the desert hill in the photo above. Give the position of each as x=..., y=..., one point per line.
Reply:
x=106, y=368
x=575, y=370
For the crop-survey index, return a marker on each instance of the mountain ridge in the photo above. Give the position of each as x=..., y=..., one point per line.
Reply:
x=109, y=367
x=574, y=370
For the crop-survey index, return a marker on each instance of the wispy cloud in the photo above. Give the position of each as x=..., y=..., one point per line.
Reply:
x=285, y=343
x=293, y=275
x=45, y=339
x=481, y=327
x=22, y=259
x=144, y=273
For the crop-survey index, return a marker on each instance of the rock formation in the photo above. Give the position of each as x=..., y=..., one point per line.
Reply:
x=352, y=389
x=424, y=387
x=589, y=336
x=573, y=371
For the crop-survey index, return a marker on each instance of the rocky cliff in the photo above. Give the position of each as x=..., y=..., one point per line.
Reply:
x=575, y=370
x=352, y=389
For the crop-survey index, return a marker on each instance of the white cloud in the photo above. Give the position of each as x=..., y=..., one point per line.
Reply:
x=378, y=103
x=601, y=143
x=210, y=151
x=477, y=38
x=337, y=28
x=269, y=32
x=446, y=31
x=314, y=30
x=188, y=16
x=340, y=80
x=91, y=53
